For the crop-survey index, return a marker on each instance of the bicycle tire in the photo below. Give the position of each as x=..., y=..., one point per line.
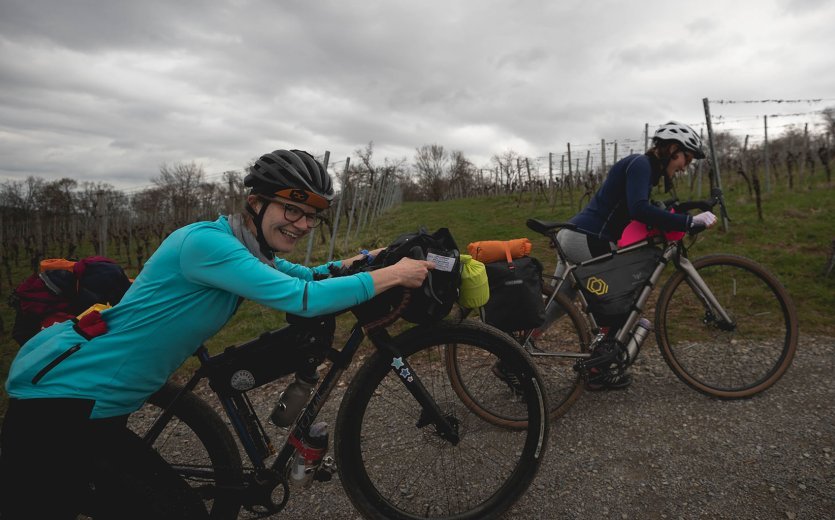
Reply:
x=711, y=360
x=393, y=467
x=196, y=438
x=567, y=333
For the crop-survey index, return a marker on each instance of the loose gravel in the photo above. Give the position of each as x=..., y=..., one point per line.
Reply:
x=659, y=450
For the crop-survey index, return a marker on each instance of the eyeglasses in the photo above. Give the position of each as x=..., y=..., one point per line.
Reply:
x=294, y=213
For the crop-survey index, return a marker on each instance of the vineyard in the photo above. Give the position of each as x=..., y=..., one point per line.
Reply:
x=779, y=193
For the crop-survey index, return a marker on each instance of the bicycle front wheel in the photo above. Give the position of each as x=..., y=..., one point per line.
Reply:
x=727, y=360
x=395, y=464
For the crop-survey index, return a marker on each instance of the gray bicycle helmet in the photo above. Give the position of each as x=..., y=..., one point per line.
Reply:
x=682, y=134
x=292, y=174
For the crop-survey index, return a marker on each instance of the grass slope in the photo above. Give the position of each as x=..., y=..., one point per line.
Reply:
x=794, y=241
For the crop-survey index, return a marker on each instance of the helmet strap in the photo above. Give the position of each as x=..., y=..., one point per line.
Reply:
x=257, y=218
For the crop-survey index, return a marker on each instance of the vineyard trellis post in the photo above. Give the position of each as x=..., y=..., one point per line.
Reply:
x=805, y=155
x=765, y=155
x=343, y=192
x=603, y=156
x=354, y=192
x=101, y=208
x=313, y=230
x=714, y=160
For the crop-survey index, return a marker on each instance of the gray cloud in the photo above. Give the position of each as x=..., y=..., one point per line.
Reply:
x=108, y=91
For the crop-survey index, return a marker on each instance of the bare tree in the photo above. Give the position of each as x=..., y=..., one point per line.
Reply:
x=431, y=163
x=181, y=182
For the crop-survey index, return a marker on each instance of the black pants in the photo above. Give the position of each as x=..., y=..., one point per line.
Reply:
x=56, y=462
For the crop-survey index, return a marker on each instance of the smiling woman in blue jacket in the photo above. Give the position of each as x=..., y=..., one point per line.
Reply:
x=73, y=385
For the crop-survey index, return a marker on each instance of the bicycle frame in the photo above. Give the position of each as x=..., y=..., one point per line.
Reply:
x=673, y=251
x=260, y=482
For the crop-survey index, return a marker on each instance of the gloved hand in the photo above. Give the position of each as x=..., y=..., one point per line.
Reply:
x=702, y=221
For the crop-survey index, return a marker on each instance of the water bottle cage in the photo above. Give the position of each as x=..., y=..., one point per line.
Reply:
x=309, y=454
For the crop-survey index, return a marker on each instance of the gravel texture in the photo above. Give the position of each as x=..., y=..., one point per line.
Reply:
x=661, y=450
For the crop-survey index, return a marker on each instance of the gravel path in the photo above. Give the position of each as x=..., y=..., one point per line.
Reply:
x=661, y=450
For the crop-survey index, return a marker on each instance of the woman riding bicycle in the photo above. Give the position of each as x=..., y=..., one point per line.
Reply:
x=625, y=196
x=73, y=385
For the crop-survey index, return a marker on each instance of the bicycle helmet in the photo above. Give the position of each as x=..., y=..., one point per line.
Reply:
x=292, y=174
x=682, y=134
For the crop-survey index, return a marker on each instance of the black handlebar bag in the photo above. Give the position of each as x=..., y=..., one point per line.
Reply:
x=432, y=301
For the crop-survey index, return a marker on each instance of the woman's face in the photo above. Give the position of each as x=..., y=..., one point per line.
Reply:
x=280, y=231
x=678, y=161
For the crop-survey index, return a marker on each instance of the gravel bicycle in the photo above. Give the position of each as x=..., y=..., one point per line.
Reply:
x=406, y=445
x=724, y=324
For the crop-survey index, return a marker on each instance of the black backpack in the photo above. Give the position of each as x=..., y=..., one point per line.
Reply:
x=611, y=286
x=59, y=294
x=434, y=300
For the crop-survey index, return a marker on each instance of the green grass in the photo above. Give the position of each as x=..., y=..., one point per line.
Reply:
x=794, y=242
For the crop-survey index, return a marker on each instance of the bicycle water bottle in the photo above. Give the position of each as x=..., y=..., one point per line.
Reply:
x=639, y=334
x=292, y=399
x=310, y=450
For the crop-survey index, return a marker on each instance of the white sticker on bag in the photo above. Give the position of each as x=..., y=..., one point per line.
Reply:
x=442, y=263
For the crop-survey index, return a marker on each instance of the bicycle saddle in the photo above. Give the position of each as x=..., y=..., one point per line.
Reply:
x=547, y=226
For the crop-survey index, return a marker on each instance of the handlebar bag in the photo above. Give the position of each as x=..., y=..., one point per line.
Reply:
x=434, y=299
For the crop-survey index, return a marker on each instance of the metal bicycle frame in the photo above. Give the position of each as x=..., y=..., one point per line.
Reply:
x=258, y=490
x=672, y=251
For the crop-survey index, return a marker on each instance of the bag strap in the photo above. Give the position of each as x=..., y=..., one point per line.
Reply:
x=506, y=245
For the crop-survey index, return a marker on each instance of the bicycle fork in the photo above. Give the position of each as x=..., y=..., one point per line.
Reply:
x=712, y=306
x=431, y=413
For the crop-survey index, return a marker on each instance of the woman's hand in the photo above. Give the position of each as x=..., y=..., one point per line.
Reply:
x=407, y=272
x=362, y=256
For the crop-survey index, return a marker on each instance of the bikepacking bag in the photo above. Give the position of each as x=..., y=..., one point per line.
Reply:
x=515, y=294
x=62, y=290
x=435, y=298
x=611, y=286
x=488, y=251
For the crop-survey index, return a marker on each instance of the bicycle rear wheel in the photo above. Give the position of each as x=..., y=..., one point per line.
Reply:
x=393, y=465
x=728, y=361
x=198, y=445
x=553, y=348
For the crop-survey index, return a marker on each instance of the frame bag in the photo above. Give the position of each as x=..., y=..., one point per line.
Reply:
x=611, y=286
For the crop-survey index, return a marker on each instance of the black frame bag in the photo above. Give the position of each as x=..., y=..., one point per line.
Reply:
x=515, y=294
x=611, y=286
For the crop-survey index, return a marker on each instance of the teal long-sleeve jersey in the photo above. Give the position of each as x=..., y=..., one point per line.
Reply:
x=186, y=292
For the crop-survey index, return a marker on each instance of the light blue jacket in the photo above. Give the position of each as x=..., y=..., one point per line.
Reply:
x=186, y=292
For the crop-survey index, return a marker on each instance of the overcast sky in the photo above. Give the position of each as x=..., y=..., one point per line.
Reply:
x=104, y=90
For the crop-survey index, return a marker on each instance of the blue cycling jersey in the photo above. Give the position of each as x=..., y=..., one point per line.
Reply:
x=186, y=292
x=624, y=196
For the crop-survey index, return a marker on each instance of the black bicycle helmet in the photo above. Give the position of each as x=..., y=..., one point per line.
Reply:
x=682, y=134
x=291, y=174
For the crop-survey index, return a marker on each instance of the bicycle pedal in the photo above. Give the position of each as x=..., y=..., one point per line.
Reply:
x=325, y=471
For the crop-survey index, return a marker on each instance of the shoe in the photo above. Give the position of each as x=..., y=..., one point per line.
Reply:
x=600, y=380
x=510, y=378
